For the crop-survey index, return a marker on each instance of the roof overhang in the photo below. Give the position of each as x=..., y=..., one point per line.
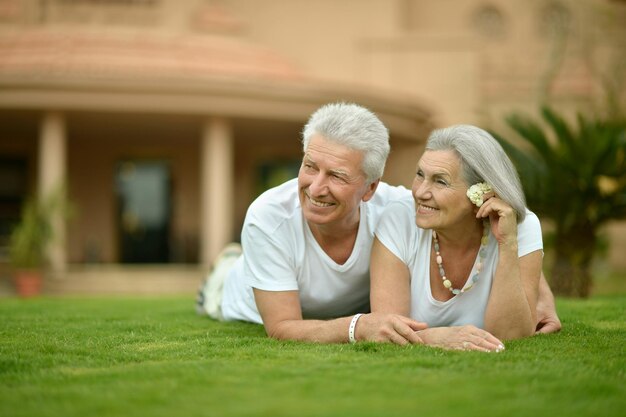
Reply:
x=68, y=71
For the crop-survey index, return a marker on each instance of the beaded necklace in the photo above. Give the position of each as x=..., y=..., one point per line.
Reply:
x=481, y=258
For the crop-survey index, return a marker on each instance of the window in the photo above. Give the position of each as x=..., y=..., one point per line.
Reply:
x=489, y=22
x=554, y=19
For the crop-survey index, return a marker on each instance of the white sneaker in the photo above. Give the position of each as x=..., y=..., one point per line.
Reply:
x=209, y=299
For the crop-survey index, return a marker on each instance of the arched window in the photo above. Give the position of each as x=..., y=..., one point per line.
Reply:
x=489, y=22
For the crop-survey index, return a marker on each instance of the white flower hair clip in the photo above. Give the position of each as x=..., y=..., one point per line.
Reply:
x=475, y=192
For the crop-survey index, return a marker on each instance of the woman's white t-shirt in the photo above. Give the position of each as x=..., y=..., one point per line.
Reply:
x=412, y=245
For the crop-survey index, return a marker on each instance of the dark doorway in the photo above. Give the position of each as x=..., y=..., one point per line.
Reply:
x=13, y=189
x=144, y=215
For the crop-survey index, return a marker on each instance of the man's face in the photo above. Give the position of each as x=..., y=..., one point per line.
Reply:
x=332, y=184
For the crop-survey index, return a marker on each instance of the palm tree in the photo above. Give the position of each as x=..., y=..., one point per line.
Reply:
x=576, y=178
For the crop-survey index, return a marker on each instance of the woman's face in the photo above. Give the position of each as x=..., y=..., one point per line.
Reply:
x=439, y=191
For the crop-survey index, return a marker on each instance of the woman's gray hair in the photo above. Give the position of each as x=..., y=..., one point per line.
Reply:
x=355, y=127
x=482, y=160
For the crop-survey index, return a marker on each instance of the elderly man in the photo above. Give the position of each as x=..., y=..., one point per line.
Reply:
x=304, y=271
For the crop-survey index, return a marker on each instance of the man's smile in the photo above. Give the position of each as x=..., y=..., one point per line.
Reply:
x=318, y=203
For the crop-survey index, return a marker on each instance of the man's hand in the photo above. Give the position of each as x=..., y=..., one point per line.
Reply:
x=381, y=327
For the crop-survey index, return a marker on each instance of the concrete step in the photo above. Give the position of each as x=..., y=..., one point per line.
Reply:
x=117, y=280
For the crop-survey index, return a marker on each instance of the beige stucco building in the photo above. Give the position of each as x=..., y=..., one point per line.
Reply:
x=166, y=118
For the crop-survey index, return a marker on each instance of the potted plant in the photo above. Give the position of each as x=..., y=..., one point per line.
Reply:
x=30, y=239
x=27, y=245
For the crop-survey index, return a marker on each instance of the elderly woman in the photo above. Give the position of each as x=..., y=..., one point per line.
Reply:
x=464, y=254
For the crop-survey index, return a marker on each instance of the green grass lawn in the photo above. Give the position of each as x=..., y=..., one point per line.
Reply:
x=155, y=357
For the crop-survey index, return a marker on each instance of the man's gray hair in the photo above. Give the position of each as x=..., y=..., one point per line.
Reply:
x=357, y=128
x=482, y=160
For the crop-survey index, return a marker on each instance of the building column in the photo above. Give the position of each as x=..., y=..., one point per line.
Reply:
x=216, y=183
x=52, y=179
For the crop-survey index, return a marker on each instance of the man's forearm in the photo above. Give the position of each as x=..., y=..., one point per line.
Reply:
x=317, y=331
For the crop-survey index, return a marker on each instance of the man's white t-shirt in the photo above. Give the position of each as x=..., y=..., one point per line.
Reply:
x=398, y=232
x=281, y=254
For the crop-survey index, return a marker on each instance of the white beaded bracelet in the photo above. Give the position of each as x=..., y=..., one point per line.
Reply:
x=352, y=328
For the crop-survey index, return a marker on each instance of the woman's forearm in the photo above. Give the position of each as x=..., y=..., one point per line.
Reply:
x=512, y=303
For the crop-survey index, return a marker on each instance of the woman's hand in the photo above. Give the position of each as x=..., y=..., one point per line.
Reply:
x=502, y=217
x=547, y=319
x=382, y=327
x=466, y=337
